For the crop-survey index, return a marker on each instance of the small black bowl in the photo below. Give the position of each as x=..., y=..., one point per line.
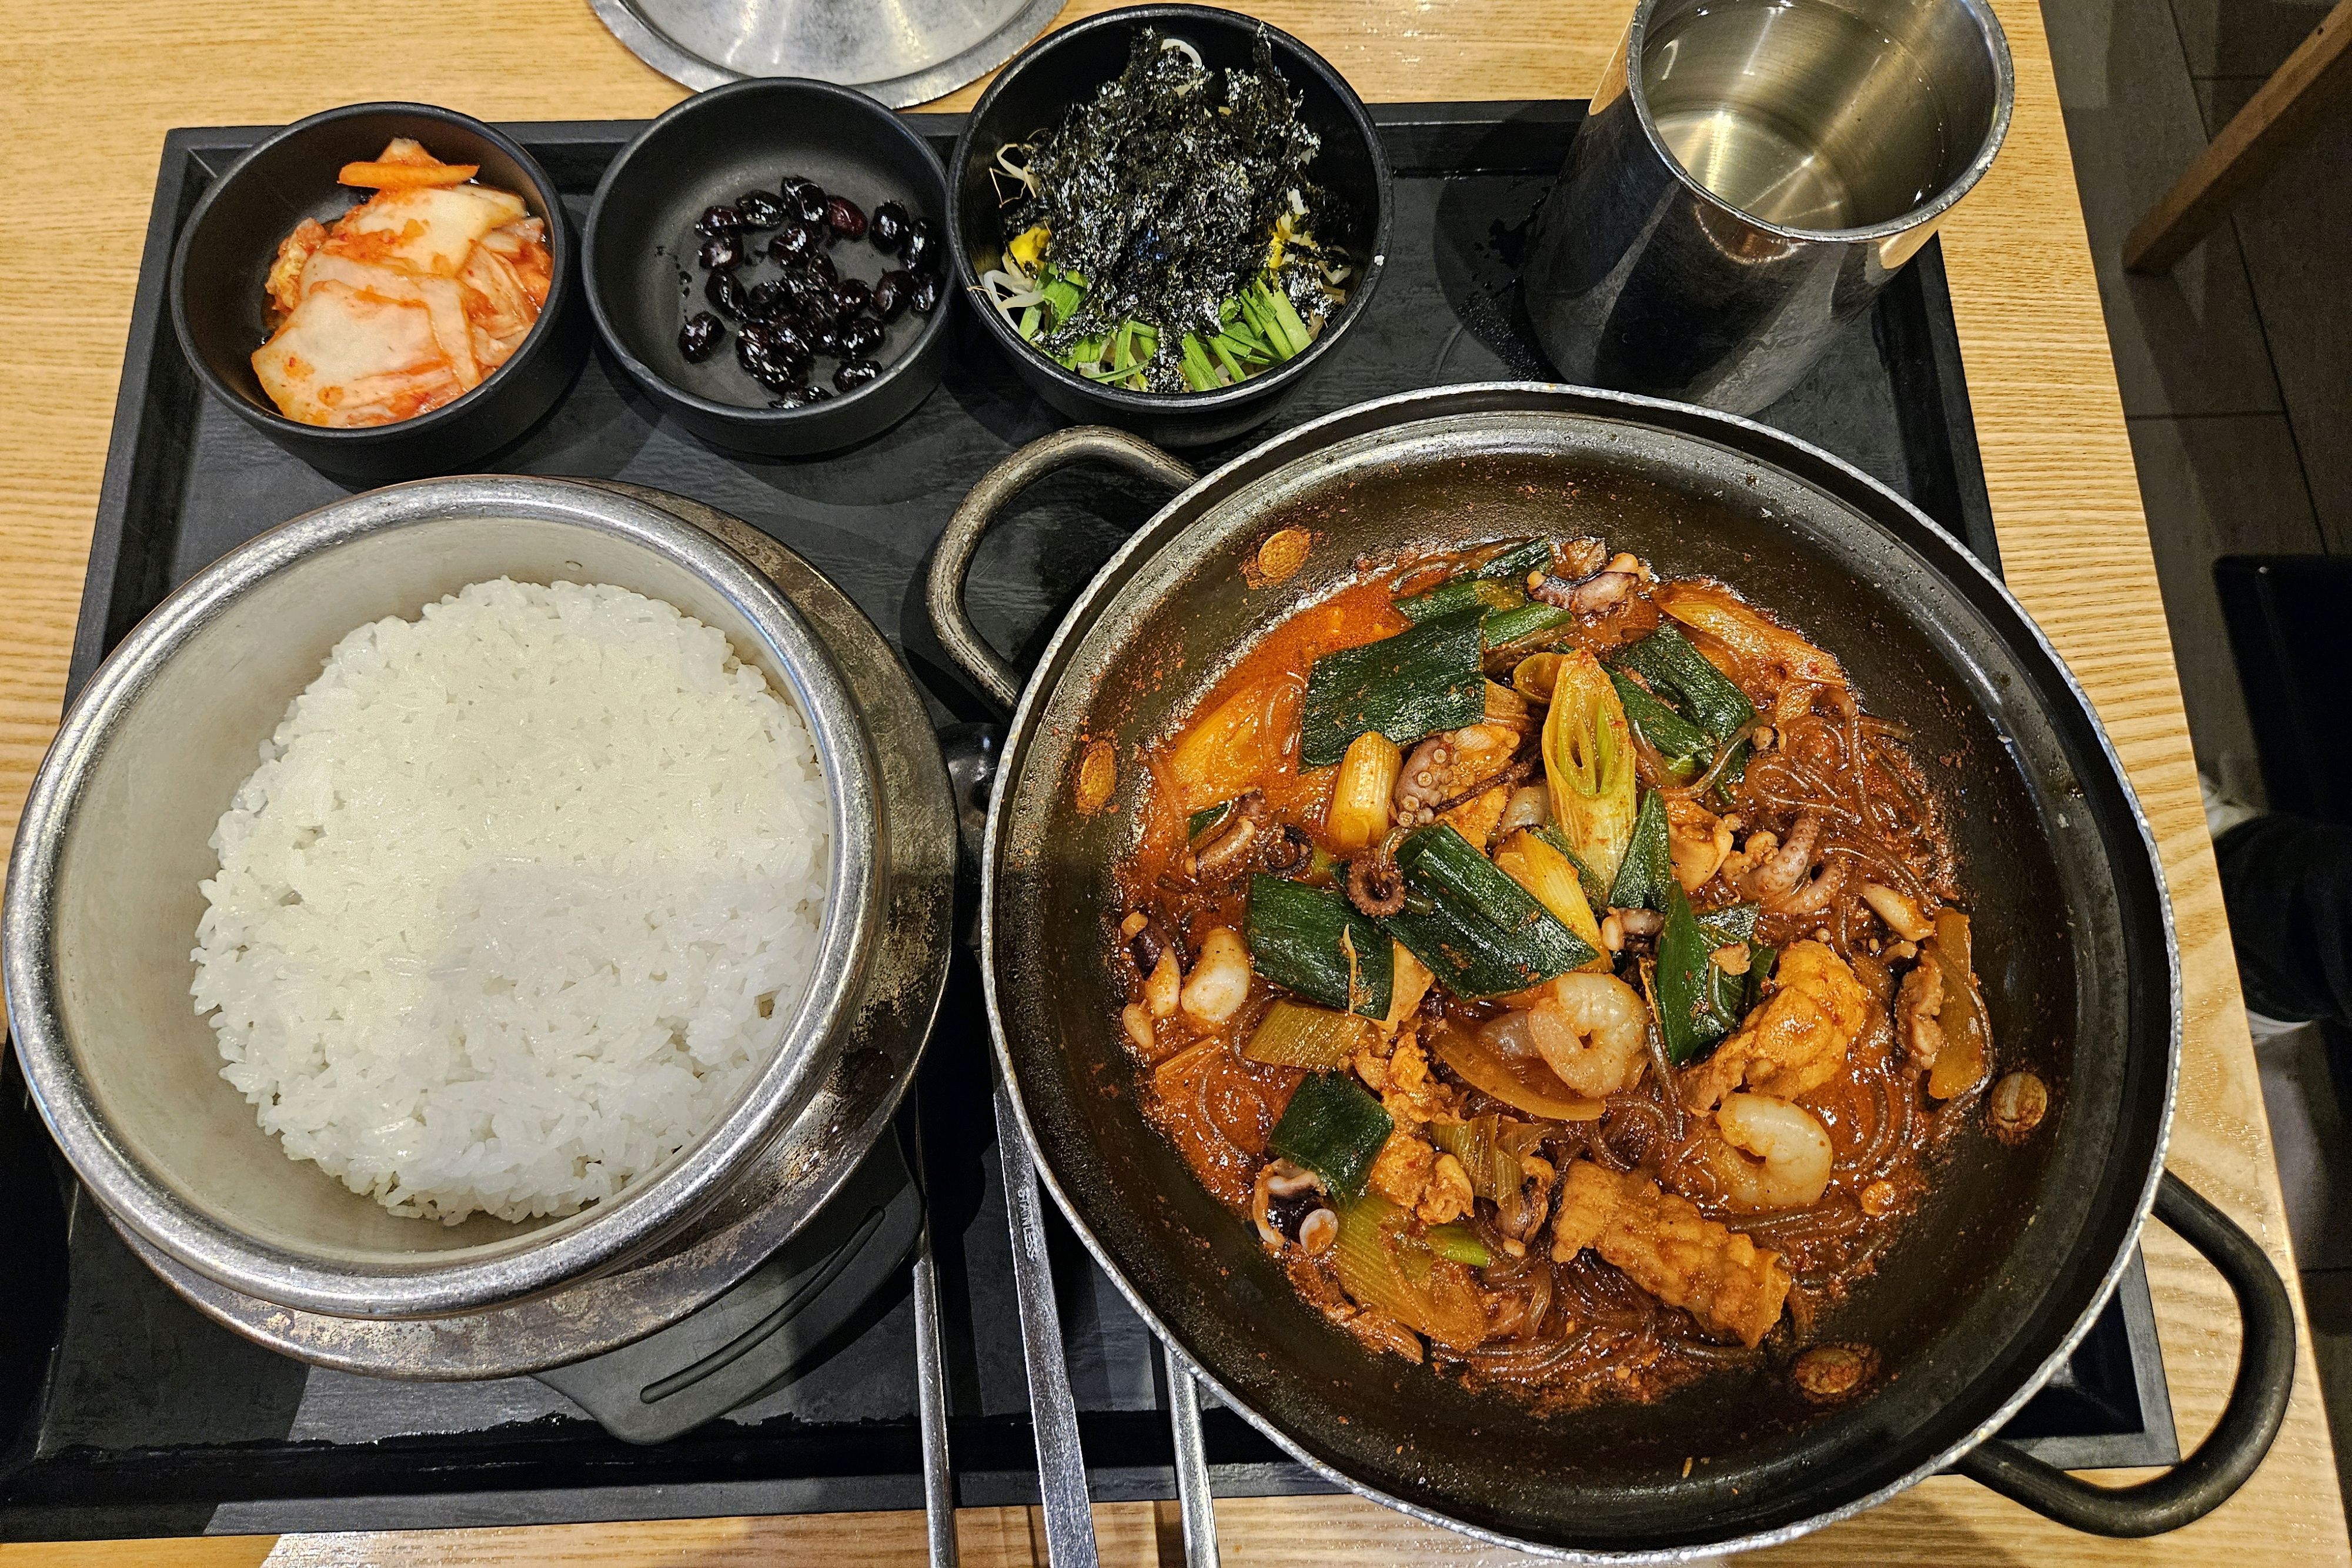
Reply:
x=644, y=281
x=219, y=288
x=1032, y=94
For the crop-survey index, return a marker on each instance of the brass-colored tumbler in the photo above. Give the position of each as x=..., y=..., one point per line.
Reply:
x=1750, y=175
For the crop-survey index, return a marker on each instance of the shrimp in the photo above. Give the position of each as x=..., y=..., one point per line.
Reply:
x=1773, y=1154
x=1591, y=1029
x=1696, y=842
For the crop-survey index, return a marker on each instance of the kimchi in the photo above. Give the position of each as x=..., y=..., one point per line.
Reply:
x=407, y=301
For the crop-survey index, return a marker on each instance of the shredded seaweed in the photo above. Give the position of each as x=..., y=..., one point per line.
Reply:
x=1161, y=233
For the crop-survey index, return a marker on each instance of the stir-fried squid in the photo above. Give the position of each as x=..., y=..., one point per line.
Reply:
x=1569, y=981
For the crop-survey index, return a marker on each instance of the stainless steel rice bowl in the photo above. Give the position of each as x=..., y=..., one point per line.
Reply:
x=102, y=898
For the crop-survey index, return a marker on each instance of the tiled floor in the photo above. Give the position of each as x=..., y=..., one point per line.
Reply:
x=2236, y=371
x=2308, y=1124
x=2236, y=368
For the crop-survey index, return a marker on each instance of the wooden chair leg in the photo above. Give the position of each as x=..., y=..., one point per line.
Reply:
x=2313, y=80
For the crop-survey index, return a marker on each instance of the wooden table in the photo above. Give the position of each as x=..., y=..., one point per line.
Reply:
x=86, y=94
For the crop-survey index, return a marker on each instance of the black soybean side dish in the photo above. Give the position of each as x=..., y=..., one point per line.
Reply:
x=763, y=263
x=807, y=310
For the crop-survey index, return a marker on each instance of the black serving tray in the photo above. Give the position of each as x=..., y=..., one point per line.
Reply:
x=126, y=1413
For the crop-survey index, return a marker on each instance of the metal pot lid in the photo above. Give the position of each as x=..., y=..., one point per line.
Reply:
x=872, y=1062
x=901, y=55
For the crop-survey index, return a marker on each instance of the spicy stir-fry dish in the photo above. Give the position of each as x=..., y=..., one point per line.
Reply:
x=1556, y=965
x=1163, y=238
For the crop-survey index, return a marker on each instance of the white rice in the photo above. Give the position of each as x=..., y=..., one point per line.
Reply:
x=517, y=902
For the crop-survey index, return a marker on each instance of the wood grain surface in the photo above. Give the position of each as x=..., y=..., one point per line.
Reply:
x=86, y=94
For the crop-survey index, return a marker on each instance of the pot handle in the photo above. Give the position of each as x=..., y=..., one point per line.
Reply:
x=944, y=592
x=2221, y=1464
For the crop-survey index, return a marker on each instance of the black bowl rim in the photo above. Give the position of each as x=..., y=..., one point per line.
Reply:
x=449, y=413
x=653, y=380
x=1162, y=404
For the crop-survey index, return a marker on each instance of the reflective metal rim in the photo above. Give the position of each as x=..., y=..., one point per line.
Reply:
x=637, y=23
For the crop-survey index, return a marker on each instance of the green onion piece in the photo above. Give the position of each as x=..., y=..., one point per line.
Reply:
x=1259, y=302
x=1512, y=564
x=1666, y=660
x=1311, y=941
x=1494, y=1171
x=1699, y=1002
x=1472, y=1143
x=1225, y=357
x=1241, y=331
x=1646, y=872
x=1596, y=890
x=1589, y=762
x=1252, y=312
x=1497, y=588
x=1063, y=293
x=1243, y=344
x=1531, y=619
x=1417, y=683
x=1295, y=1034
x=1027, y=326
x=1207, y=817
x=1684, y=745
x=1199, y=374
x=1382, y=1264
x=1286, y=318
x=1459, y=1242
x=1482, y=935
x=1334, y=1128
x=1457, y=594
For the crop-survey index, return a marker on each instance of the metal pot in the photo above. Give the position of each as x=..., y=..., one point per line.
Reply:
x=2016, y=1250
x=102, y=902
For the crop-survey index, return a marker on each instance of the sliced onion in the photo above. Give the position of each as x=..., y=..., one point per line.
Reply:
x=1524, y=1085
x=1185, y=49
x=1967, y=1054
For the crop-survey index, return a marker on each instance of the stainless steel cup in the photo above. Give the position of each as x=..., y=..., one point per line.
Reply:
x=1750, y=175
